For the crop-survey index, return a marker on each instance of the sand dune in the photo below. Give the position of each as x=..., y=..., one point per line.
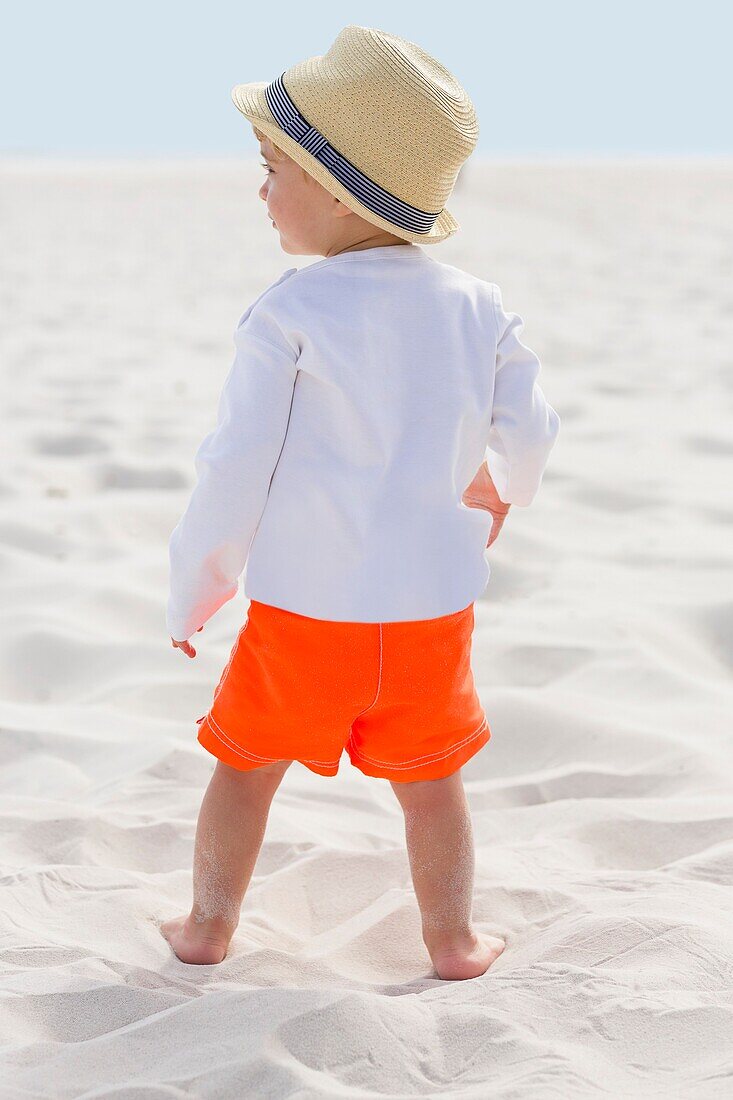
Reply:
x=603, y=804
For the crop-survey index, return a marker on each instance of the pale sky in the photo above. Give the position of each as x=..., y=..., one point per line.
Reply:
x=555, y=78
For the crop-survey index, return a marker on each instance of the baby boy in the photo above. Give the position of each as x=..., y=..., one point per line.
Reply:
x=367, y=390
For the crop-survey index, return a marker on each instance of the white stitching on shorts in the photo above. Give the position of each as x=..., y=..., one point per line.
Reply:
x=219, y=733
x=422, y=761
x=379, y=678
x=232, y=655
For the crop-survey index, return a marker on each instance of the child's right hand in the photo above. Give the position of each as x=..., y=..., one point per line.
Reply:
x=481, y=493
x=185, y=645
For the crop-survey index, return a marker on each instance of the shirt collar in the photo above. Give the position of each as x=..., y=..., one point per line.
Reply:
x=398, y=252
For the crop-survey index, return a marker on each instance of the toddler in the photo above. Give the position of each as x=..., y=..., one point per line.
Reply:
x=367, y=390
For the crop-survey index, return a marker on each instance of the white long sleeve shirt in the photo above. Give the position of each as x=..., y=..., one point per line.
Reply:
x=366, y=390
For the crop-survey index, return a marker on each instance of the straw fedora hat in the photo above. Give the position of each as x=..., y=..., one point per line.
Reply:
x=376, y=120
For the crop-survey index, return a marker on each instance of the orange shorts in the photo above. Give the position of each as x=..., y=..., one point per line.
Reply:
x=398, y=696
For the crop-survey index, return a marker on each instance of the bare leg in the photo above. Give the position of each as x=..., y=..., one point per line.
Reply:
x=229, y=834
x=440, y=848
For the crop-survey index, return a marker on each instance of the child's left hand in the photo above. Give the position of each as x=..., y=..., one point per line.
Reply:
x=186, y=646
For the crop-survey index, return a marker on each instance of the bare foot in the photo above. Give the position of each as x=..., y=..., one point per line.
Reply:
x=468, y=959
x=204, y=943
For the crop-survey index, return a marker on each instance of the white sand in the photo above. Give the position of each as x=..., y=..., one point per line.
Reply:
x=603, y=804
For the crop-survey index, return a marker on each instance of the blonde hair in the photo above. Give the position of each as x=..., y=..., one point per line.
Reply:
x=277, y=153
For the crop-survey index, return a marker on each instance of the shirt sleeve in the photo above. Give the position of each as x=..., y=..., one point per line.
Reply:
x=524, y=426
x=234, y=465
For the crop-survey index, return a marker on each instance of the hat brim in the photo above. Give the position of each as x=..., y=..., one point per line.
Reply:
x=250, y=100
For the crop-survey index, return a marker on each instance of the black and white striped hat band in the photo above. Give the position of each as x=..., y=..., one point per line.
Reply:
x=369, y=193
